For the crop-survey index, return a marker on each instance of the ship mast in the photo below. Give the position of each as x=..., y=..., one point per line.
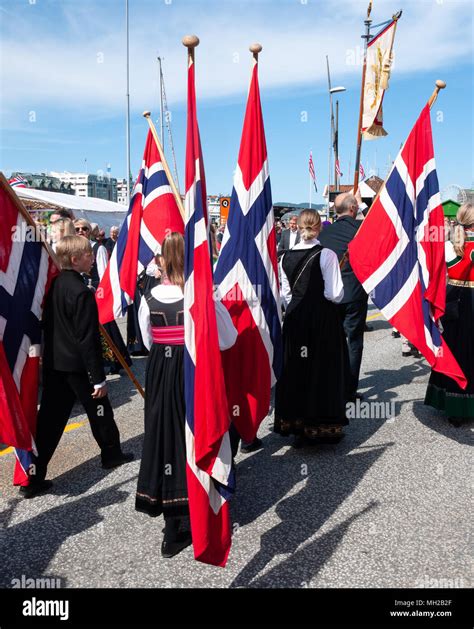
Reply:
x=165, y=116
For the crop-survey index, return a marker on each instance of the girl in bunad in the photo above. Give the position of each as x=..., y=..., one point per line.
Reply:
x=162, y=485
x=458, y=324
x=310, y=397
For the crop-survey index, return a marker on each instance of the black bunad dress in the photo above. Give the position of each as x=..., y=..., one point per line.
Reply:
x=162, y=487
x=312, y=391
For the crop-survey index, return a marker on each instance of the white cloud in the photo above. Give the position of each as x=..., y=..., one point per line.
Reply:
x=82, y=64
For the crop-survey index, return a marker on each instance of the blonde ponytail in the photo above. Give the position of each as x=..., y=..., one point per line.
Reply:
x=465, y=218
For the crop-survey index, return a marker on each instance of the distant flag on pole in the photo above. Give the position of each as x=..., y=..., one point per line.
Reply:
x=153, y=213
x=398, y=253
x=311, y=171
x=378, y=67
x=338, y=168
x=208, y=453
x=247, y=278
x=361, y=171
x=18, y=182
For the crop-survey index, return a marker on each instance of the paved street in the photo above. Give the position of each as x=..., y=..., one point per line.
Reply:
x=388, y=507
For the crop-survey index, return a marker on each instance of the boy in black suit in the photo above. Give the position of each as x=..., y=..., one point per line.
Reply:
x=72, y=365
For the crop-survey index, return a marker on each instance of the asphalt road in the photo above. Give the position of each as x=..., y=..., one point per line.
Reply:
x=387, y=507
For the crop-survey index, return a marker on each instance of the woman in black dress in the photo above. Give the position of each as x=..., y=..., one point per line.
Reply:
x=311, y=393
x=162, y=485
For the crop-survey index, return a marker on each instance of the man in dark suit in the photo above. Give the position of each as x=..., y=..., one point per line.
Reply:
x=110, y=243
x=289, y=237
x=72, y=366
x=353, y=307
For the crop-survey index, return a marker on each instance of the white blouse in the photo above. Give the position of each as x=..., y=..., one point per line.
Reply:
x=102, y=259
x=333, y=286
x=170, y=293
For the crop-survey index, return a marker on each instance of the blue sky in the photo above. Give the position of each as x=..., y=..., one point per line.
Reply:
x=63, y=83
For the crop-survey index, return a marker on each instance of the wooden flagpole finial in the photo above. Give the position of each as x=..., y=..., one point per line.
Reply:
x=190, y=41
x=440, y=85
x=255, y=49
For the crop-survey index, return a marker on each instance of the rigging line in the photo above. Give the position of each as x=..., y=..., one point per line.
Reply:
x=168, y=126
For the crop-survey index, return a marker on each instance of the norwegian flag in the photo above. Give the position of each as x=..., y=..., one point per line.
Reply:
x=247, y=277
x=208, y=452
x=311, y=171
x=338, y=169
x=361, y=171
x=398, y=253
x=25, y=275
x=153, y=213
x=18, y=182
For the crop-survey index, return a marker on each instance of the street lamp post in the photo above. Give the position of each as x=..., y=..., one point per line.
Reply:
x=335, y=131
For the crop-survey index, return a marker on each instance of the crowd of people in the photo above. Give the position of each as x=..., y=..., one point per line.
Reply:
x=325, y=311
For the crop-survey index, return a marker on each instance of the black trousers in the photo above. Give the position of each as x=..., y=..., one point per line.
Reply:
x=353, y=315
x=60, y=391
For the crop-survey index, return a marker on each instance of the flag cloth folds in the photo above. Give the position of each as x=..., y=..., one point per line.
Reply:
x=247, y=278
x=338, y=168
x=361, y=171
x=153, y=213
x=311, y=171
x=398, y=253
x=26, y=272
x=378, y=65
x=208, y=453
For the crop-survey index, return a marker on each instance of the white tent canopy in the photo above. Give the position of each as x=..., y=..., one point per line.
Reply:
x=104, y=213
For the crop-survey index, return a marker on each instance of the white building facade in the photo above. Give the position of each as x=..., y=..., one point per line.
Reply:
x=89, y=185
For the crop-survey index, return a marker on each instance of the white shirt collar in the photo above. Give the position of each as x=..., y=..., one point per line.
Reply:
x=307, y=244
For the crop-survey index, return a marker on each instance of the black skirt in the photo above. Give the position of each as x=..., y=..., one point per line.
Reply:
x=162, y=486
x=443, y=393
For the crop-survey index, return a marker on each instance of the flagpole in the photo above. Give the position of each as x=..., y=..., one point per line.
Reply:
x=366, y=37
x=29, y=220
x=331, y=140
x=127, y=126
x=177, y=196
x=309, y=190
x=440, y=85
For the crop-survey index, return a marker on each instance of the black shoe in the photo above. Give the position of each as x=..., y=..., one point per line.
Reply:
x=170, y=549
x=256, y=444
x=395, y=334
x=36, y=488
x=125, y=458
x=299, y=441
x=368, y=328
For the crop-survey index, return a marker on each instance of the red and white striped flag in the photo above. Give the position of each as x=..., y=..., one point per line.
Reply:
x=338, y=169
x=18, y=182
x=361, y=171
x=208, y=453
x=311, y=171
